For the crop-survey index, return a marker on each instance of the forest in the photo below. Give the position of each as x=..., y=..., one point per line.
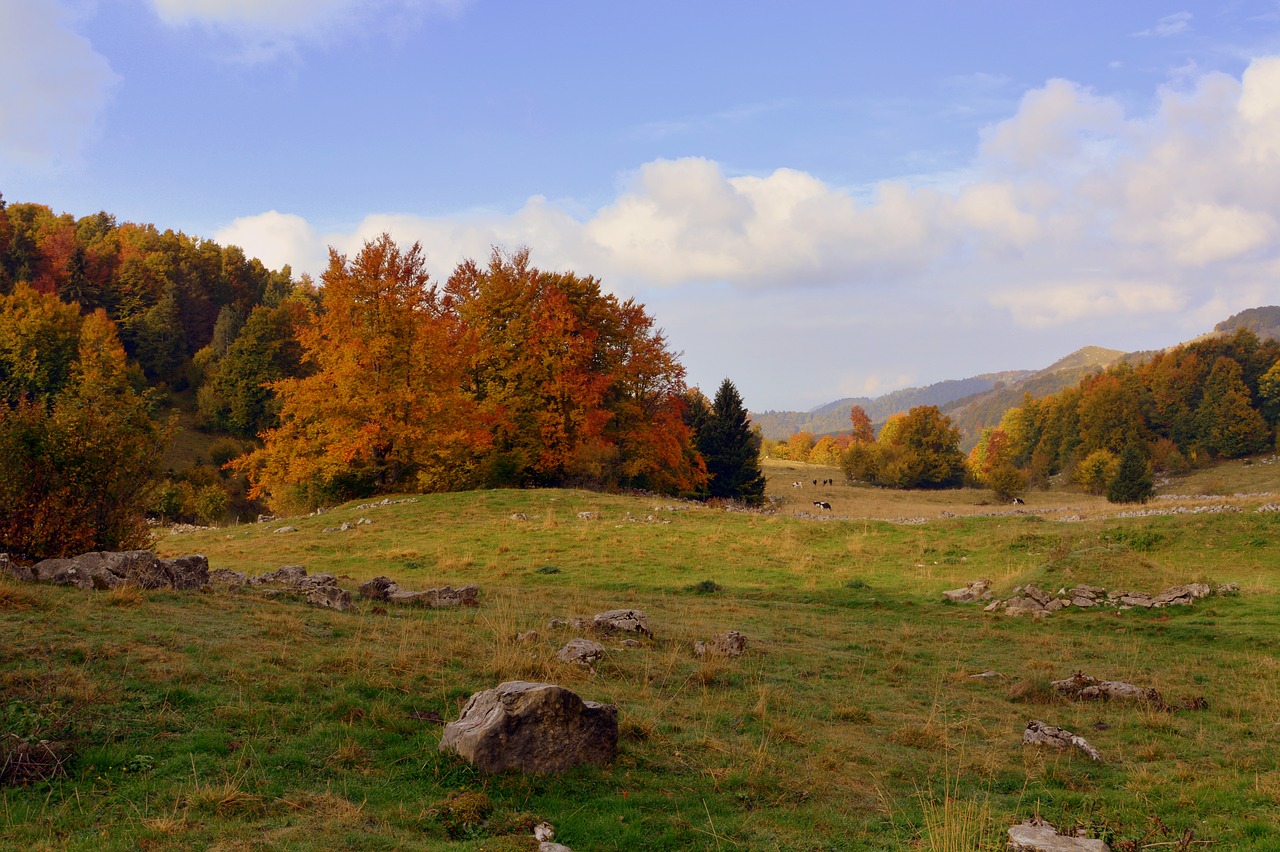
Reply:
x=373, y=379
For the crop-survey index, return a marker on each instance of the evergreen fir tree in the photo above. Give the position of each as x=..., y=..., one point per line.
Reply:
x=1132, y=482
x=730, y=448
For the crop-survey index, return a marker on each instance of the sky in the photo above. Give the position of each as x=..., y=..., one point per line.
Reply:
x=816, y=200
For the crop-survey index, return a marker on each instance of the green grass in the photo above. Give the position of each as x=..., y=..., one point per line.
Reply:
x=232, y=720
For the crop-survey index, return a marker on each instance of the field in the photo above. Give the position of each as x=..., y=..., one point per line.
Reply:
x=234, y=720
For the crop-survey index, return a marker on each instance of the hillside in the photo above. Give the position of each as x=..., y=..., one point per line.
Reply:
x=1264, y=322
x=974, y=413
x=833, y=417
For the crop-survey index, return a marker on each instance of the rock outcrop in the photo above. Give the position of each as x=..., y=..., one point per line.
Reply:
x=1030, y=600
x=532, y=727
x=109, y=570
x=583, y=652
x=622, y=621
x=386, y=589
x=975, y=590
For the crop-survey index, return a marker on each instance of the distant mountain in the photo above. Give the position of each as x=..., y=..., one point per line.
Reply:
x=974, y=413
x=833, y=417
x=980, y=401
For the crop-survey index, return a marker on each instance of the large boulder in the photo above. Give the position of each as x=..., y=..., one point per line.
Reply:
x=532, y=727
x=974, y=590
x=731, y=643
x=584, y=652
x=107, y=570
x=1082, y=687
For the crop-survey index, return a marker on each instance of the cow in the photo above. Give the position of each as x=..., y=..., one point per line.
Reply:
x=822, y=504
x=1017, y=501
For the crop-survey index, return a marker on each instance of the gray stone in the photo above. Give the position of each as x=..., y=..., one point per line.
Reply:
x=731, y=643
x=532, y=727
x=286, y=530
x=1036, y=835
x=584, y=652
x=436, y=598
x=187, y=572
x=972, y=591
x=228, y=577
x=331, y=597
x=623, y=620
x=1040, y=733
x=1082, y=687
x=289, y=575
x=378, y=588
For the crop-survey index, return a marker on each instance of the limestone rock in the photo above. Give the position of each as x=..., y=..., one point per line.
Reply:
x=386, y=589
x=331, y=597
x=974, y=590
x=532, y=727
x=584, y=652
x=1082, y=687
x=378, y=588
x=187, y=572
x=289, y=575
x=1040, y=733
x=1036, y=835
x=731, y=643
x=227, y=577
x=623, y=620
x=285, y=530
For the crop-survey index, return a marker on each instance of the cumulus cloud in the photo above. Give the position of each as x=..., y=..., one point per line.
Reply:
x=1072, y=211
x=53, y=85
x=277, y=239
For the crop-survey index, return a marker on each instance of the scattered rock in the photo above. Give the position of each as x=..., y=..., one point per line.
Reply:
x=331, y=597
x=264, y=519
x=1040, y=733
x=1036, y=835
x=544, y=831
x=227, y=577
x=108, y=570
x=987, y=675
x=532, y=727
x=289, y=575
x=584, y=652
x=631, y=643
x=285, y=530
x=557, y=624
x=1082, y=687
x=975, y=590
x=624, y=621
x=519, y=516
x=386, y=589
x=731, y=643
x=587, y=516
x=1037, y=602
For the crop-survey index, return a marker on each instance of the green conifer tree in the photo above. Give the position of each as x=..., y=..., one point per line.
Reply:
x=1132, y=482
x=730, y=449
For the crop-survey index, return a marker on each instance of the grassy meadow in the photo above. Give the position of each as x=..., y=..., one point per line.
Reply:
x=235, y=720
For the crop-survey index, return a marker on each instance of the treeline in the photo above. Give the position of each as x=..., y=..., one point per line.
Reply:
x=1217, y=398
x=378, y=379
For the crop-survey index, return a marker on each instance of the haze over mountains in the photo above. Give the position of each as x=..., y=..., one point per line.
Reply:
x=980, y=401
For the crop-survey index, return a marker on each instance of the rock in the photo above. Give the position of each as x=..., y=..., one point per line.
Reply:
x=1181, y=595
x=1229, y=589
x=187, y=572
x=315, y=581
x=14, y=570
x=623, y=620
x=108, y=570
x=557, y=623
x=550, y=846
x=527, y=636
x=1082, y=601
x=584, y=652
x=1136, y=599
x=993, y=606
x=1036, y=835
x=285, y=530
x=1093, y=592
x=987, y=675
x=378, y=588
x=519, y=516
x=436, y=598
x=532, y=727
x=972, y=591
x=227, y=577
x=1040, y=596
x=290, y=575
x=1040, y=733
x=587, y=516
x=1022, y=606
x=1082, y=687
x=631, y=643
x=262, y=519
x=544, y=831
x=731, y=643
x=331, y=597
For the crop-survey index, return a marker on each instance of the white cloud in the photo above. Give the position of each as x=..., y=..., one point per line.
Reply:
x=53, y=85
x=1169, y=25
x=266, y=29
x=1072, y=212
x=277, y=239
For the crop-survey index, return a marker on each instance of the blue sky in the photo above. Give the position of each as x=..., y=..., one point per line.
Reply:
x=816, y=200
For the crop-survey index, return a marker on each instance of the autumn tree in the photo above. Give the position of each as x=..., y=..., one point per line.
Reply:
x=1226, y=423
x=921, y=450
x=79, y=452
x=382, y=408
x=574, y=385
x=862, y=431
x=731, y=449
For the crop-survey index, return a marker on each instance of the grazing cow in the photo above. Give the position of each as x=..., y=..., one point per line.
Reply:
x=797, y=485
x=822, y=504
x=1017, y=501
x=815, y=482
